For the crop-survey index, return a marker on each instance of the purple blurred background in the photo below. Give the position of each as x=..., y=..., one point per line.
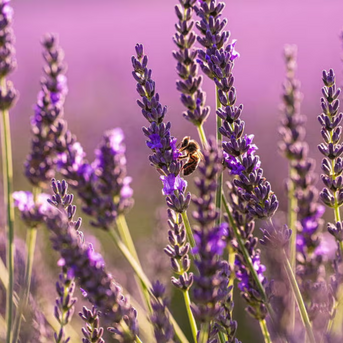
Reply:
x=99, y=37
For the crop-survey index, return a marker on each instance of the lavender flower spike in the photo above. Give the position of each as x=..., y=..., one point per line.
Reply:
x=64, y=307
x=332, y=164
x=163, y=329
x=163, y=145
x=192, y=96
x=48, y=126
x=92, y=332
x=211, y=291
x=103, y=186
x=88, y=268
x=8, y=62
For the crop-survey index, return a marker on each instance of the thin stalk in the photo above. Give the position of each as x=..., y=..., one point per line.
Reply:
x=265, y=331
x=292, y=219
x=8, y=201
x=191, y=319
x=222, y=337
x=188, y=229
x=203, y=334
x=220, y=176
x=138, y=340
x=125, y=235
x=299, y=298
x=31, y=236
x=143, y=278
x=202, y=135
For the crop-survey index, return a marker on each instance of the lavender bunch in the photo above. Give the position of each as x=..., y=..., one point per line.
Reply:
x=88, y=268
x=47, y=124
x=192, y=96
x=163, y=329
x=211, y=291
x=165, y=158
x=92, y=332
x=251, y=196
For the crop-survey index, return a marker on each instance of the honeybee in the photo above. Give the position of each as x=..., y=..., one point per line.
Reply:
x=192, y=153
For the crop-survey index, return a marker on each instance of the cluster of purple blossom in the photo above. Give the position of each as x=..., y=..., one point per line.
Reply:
x=219, y=251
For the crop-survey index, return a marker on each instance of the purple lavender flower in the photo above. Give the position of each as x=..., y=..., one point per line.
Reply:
x=32, y=213
x=8, y=62
x=103, y=186
x=64, y=307
x=178, y=250
x=192, y=96
x=211, y=292
x=89, y=270
x=217, y=63
x=48, y=125
x=163, y=145
x=163, y=329
x=332, y=166
x=302, y=179
x=92, y=332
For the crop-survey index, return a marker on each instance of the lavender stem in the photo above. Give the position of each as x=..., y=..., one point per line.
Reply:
x=143, y=278
x=265, y=331
x=203, y=335
x=191, y=319
x=188, y=230
x=8, y=186
x=299, y=298
x=202, y=135
x=125, y=235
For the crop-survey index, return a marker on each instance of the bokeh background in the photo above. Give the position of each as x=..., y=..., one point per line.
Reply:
x=99, y=38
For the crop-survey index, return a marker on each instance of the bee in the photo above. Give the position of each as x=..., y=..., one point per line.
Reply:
x=192, y=153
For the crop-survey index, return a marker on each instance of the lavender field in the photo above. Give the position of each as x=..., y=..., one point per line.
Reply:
x=172, y=171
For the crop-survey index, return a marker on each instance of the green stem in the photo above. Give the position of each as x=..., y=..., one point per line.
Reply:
x=220, y=177
x=188, y=229
x=125, y=235
x=8, y=201
x=202, y=135
x=299, y=298
x=143, y=278
x=203, y=334
x=222, y=337
x=191, y=319
x=138, y=340
x=265, y=331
